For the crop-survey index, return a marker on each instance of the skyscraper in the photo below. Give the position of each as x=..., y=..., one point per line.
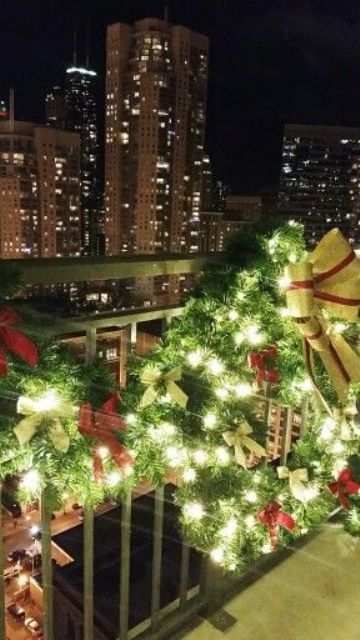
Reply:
x=39, y=191
x=320, y=179
x=156, y=86
x=74, y=108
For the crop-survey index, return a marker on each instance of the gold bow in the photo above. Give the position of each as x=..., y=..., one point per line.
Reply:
x=328, y=280
x=152, y=378
x=47, y=411
x=296, y=481
x=239, y=439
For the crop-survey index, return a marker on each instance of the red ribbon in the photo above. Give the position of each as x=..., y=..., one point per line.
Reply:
x=259, y=362
x=273, y=517
x=100, y=424
x=344, y=486
x=14, y=341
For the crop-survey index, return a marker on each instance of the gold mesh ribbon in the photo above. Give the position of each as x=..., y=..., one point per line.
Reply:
x=328, y=280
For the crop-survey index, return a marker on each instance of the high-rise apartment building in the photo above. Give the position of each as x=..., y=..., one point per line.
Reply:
x=74, y=108
x=320, y=179
x=39, y=191
x=156, y=86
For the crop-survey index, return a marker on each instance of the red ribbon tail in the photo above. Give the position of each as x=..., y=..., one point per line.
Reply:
x=3, y=363
x=285, y=520
x=20, y=345
x=98, y=467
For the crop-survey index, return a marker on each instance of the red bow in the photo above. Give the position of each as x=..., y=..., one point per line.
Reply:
x=259, y=362
x=344, y=485
x=100, y=425
x=272, y=517
x=14, y=341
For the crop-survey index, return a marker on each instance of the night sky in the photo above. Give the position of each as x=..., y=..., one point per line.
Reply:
x=271, y=62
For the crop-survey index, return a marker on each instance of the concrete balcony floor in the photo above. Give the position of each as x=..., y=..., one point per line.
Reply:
x=313, y=595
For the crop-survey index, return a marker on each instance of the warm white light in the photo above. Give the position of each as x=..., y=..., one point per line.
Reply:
x=327, y=428
x=194, y=358
x=339, y=327
x=215, y=366
x=31, y=480
x=251, y=495
x=189, y=475
x=130, y=418
x=200, y=457
x=240, y=295
x=175, y=456
x=306, y=385
x=266, y=548
x=22, y=580
x=337, y=447
x=310, y=493
x=222, y=392
x=103, y=452
x=239, y=338
x=292, y=223
x=34, y=529
x=49, y=401
x=243, y=389
x=250, y=521
x=222, y=455
x=167, y=429
x=253, y=335
x=194, y=510
x=229, y=529
x=292, y=257
x=284, y=282
x=113, y=478
x=284, y=312
x=233, y=314
x=217, y=555
x=209, y=420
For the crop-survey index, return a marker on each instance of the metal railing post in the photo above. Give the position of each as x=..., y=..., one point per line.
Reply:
x=184, y=573
x=46, y=566
x=157, y=551
x=2, y=582
x=125, y=566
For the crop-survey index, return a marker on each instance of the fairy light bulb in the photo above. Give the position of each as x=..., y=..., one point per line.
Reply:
x=222, y=455
x=189, y=475
x=284, y=312
x=253, y=334
x=327, y=428
x=217, y=555
x=251, y=496
x=222, y=392
x=306, y=385
x=209, y=420
x=49, y=401
x=175, y=456
x=215, y=367
x=240, y=295
x=167, y=429
x=243, y=389
x=266, y=548
x=310, y=493
x=194, y=510
x=239, y=338
x=194, y=358
x=337, y=448
x=113, y=478
x=229, y=529
x=200, y=457
x=283, y=282
x=103, y=452
x=130, y=418
x=250, y=521
x=31, y=480
x=233, y=314
x=339, y=327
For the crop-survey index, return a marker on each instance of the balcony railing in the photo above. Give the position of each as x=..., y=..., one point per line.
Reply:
x=193, y=595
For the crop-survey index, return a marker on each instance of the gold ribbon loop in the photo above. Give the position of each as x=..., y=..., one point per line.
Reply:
x=152, y=378
x=329, y=279
x=48, y=412
x=297, y=478
x=239, y=439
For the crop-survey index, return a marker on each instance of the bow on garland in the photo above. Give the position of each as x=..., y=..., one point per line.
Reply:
x=154, y=379
x=47, y=412
x=259, y=361
x=239, y=439
x=14, y=341
x=100, y=425
x=273, y=517
x=297, y=478
x=343, y=487
x=329, y=280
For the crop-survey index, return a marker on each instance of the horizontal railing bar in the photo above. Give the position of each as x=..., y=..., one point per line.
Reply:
x=49, y=271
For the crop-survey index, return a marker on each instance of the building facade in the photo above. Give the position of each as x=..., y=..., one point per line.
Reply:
x=217, y=227
x=40, y=191
x=320, y=179
x=156, y=86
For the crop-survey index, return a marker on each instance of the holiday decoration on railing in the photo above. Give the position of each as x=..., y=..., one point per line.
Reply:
x=14, y=341
x=240, y=440
x=327, y=282
x=102, y=425
x=297, y=481
x=263, y=364
x=274, y=517
x=45, y=413
x=343, y=487
x=154, y=380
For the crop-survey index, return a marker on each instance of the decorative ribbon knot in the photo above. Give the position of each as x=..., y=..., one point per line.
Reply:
x=260, y=361
x=101, y=424
x=154, y=379
x=48, y=413
x=329, y=280
x=343, y=487
x=239, y=439
x=296, y=478
x=272, y=516
x=14, y=341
